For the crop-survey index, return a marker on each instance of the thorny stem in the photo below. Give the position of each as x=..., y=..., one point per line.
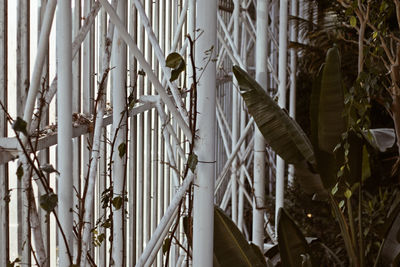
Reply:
x=192, y=126
x=39, y=174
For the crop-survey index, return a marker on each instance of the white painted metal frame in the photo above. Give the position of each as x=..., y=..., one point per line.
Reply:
x=155, y=131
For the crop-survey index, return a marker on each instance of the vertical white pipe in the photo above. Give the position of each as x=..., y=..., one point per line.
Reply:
x=203, y=203
x=133, y=170
x=293, y=71
x=4, y=231
x=147, y=184
x=118, y=168
x=259, y=143
x=44, y=154
x=283, y=35
x=64, y=138
x=140, y=141
x=243, y=116
x=42, y=51
x=87, y=96
x=24, y=233
x=76, y=107
x=235, y=115
x=155, y=154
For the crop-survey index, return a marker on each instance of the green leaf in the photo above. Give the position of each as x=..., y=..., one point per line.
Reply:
x=331, y=123
x=280, y=131
x=230, y=246
x=192, y=162
x=122, y=150
x=48, y=201
x=326, y=163
x=20, y=171
x=173, y=60
x=20, y=126
x=353, y=21
x=166, y=245
x=48, y=168
x=117, y=202
x=291, y=242
x=176, y=62
x=347, y=193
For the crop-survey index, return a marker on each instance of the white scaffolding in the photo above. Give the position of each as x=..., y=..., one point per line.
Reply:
x=91, y=80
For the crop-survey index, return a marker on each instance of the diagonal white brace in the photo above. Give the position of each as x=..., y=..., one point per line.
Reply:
x=146, y=67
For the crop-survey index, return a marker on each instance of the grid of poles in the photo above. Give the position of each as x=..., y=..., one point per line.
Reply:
x=111, y=118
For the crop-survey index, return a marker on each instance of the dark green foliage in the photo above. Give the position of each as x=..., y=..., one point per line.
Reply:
x=48, y=201
x=20, y=126
x=231, y=249
x=176, y=62
x=293, y=246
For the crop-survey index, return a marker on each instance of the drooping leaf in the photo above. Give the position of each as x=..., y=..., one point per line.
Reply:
x=166, y=245
x=48, y=201
x=381, y=138
x=122, y=150
x=176, y=62
x=331, y=123
x=192, y=161
x=48, y=168
x=20, y=126
x=117, y=202
x=230, y=246
x=326, y=163
x=20, y=171
x=280, y=131
x=173, y=60
x=291, y=242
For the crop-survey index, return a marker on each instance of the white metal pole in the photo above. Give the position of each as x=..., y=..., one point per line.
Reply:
x=39, y=61
x=203, y=203
x=119, y=57
x=235, y=116
x=283, y=35
x=133, y=144
x=24, y=233
x=259, y=142
x=64, y=111
x=87, y=98
x=76, y=107
x=4, y=230
x=293, y=71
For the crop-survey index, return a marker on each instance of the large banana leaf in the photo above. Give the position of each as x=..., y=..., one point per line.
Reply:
x=331, y=123
x=230, y=246
x=326, y=163
x=280, y=131
x=293, y=246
